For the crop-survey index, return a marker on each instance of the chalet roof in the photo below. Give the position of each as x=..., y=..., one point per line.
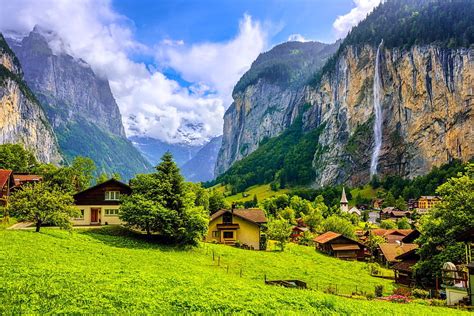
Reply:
x=19, y=178
x=110, y=181
x=4, y=176
x=253, y=215
x=391, y=251
x=338, y=247
x=404, y=266
x=343, y=197
x=408, y=254
x=410, y=237
x=430, y=197
x=354, y=210
x=301, y=229
x=327, y=236
x=385, y=232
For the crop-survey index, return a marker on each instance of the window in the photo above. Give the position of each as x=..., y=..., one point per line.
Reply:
x=81, y=215
x=111, y=212
x=228, y=235
x=215, y=234
x=227, y=218
x=112, y=195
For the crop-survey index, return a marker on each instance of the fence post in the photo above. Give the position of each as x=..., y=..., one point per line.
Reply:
x=265, y=278
x=336, y=288
x=356, y=289
x=219, y=261
x=240, y=272
x=212, y=255
x=227, y=268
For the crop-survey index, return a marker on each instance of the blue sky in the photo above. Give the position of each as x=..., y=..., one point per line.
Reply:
x=215, y=21
x=172, y=64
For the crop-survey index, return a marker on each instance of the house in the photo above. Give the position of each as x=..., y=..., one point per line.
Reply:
x=340, y=246
x=412, y=204
x=410, y=237
x=390, y=235
x=355, y=210
x=378, y=204
x=404, y=268
x=6, y=184
x=243, y=225
x=393, y=213
x=389, y=251
x=428, y=201
x=297, y=232
x=344, y=203
x=22, y=179
x=100, y=204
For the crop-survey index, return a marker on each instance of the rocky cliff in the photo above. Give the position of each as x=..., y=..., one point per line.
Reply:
x=426, y=99
x=22, y=119
x=266, y=98
x=79, y=104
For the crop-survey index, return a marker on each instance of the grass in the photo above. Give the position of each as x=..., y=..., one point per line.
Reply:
x=366, y=192
x=262, y=191
x=109, y=271
x=4, y=224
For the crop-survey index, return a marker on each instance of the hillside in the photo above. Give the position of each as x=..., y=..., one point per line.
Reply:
x=424, y=96
x=79, y=105
x=22, y=119
x=52, y=272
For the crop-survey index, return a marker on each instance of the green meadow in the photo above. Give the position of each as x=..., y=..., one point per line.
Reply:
x=110, y=270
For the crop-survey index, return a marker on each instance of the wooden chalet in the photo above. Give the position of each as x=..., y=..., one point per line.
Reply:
x=6, y=184
x=410, y=237
x=339, y=246
x=22, y=179
x=393, y=213
x=388, y=252
x=242, y=225
x=390, y=235
x=404, y=268
x=100, y=204
x=297, y=232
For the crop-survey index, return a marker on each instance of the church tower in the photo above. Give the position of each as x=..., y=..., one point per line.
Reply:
x=344, y=202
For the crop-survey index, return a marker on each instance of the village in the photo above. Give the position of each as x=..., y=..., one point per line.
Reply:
x=390, y=248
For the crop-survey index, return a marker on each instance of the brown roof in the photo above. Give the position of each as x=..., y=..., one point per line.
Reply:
x=404, y=266
x=391, y=251
x=19, y=178
x=385, y=232
x=337, y=247
x=410, y=253
x=301, y=229
x=253, y=215
x=4, y=176
x=327, y=236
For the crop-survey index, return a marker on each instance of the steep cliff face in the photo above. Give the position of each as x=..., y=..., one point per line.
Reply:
x=426, y=98
x=266, y=98
x=79, y=104
x=22, y=119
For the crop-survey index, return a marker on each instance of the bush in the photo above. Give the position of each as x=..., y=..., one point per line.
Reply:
x=374, y=268
x=403, y=291
x=370, y=296
x=435, y=302
x=379, y=290
x=419, y=293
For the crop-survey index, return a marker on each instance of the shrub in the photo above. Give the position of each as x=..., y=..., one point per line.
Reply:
x=379, y=290
x=374, y=268
x=397, y=298
x=419, y=293
x=403, y=291
x=238, y=244
x=435, y=302
x=370, y=296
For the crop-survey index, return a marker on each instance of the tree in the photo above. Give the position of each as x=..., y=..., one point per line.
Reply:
x=403, y=223
x=15, y=157
x=101, y=178
x=39, y=203
x=365, y=215
x=279, y=230
x=217, y=201
x=374, y=241
x=72, y=179
x=389, y=200
x=314, y=216
x=162, y=203
x=388, y=224
x=401, y=204
x=453, y=215
x=339, y=225
x=201, y=195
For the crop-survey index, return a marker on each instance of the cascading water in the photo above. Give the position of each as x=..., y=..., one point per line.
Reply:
x=378, y=113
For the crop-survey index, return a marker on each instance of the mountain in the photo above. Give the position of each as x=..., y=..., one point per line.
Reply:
x=22, y=119
x=267, y=96
x=79, y=104
x=153, y=149
x=200, y=168
x=419, y=80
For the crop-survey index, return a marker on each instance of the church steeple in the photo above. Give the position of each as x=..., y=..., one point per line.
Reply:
x=344, y=203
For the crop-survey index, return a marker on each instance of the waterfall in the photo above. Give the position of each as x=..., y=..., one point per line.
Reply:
x=378, y=113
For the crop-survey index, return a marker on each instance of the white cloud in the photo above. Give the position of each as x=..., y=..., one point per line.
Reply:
x=297, y=38
x=150, y=103
x=343, y=24
x=218, y=65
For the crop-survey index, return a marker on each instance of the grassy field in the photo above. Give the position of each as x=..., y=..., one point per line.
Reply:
x=366, y=192
x=262, y=192
x=110, y=271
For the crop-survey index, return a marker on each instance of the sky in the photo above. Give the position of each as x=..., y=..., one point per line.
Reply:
x=172, y=64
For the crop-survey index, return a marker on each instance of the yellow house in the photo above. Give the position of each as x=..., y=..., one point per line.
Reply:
x=99, y=205
x=243, y=225
x=427, y=202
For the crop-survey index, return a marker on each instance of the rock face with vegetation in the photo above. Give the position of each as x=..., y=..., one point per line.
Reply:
x=79, y=105
x=266, y=98
x=427, y=72
x=22, y=119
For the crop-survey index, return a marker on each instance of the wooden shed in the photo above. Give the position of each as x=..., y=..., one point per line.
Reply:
x=340, y=246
